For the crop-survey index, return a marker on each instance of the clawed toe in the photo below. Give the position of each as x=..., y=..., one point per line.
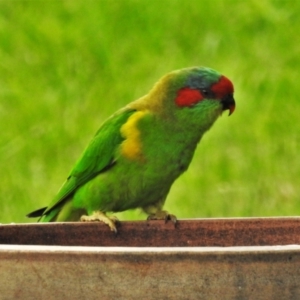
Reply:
x=162, y=215
x=98, y=216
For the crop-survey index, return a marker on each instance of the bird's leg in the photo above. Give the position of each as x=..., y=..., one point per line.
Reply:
x=162, y=215
x=99, y=216
x=156, y=213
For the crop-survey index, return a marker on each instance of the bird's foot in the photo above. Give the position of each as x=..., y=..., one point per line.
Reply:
x=99, y=216
x=162, y=215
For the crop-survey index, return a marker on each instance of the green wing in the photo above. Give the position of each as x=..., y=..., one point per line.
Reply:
x=97, y=157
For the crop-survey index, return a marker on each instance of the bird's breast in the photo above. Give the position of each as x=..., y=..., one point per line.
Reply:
x=156, y=149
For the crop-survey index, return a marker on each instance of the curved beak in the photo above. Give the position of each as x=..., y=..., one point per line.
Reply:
x=228, y=103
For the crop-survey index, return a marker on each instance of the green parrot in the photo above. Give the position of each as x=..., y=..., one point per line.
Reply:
x=139, y=151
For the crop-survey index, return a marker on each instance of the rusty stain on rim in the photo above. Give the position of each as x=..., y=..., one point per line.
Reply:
x=187, y=233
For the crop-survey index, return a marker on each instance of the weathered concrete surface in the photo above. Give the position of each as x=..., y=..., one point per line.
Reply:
x=152, y=260
x=51, y=272
x=188, y=233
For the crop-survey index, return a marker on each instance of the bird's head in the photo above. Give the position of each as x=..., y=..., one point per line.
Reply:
x=199, y=86
x=190, y=97
x=196, y=95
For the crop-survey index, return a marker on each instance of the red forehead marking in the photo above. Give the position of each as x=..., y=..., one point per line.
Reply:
x=188, y=97
x=223, y=87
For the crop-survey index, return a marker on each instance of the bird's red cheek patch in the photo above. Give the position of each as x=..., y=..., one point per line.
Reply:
x=188, y=97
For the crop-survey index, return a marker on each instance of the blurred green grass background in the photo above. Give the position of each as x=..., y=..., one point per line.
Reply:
x=65, y=66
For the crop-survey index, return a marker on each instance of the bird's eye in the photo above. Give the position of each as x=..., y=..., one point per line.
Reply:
x=206, y=93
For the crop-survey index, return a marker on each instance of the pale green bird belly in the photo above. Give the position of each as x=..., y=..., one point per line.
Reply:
x=130, y=184
x=140, y=177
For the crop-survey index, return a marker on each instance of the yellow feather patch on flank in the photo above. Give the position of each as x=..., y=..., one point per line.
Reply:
x=131, y=147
